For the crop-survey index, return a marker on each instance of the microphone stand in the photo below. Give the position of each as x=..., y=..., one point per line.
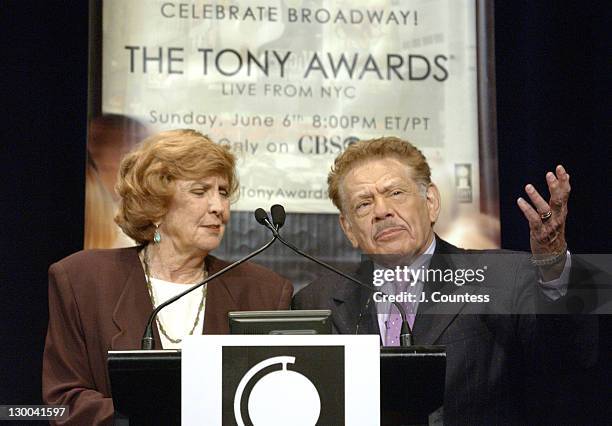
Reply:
x=148, y=342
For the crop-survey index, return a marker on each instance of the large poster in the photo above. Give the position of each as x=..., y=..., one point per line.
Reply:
x=290, y=84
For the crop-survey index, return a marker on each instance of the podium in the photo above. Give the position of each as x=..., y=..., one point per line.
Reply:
x=146, y=385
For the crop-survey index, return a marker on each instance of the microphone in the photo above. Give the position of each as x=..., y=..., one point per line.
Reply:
x=148, y=341
x=261, y=216
x=278, y=217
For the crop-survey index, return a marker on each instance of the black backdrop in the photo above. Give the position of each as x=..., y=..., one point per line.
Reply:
x=552, y=70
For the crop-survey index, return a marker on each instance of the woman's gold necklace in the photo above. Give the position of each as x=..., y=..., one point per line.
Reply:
x=145, y=261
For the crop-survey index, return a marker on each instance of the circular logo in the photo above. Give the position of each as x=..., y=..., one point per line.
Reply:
x=281, y=397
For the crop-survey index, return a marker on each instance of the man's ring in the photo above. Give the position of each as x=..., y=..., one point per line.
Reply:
x=546, y=216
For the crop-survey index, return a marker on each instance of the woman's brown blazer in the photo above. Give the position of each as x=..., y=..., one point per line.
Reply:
x=98, y=301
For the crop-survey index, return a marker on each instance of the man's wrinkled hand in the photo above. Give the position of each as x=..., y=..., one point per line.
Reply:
x=547, y=219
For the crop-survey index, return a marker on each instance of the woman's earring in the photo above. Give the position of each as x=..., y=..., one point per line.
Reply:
x=156, y=235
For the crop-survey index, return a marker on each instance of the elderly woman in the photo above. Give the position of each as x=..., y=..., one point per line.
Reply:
x=175, y=191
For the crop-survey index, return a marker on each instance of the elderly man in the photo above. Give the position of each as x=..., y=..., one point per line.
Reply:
x=388, y=207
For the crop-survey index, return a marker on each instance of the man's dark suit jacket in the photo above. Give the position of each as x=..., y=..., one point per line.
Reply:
x=98, y=301
x=490, y=348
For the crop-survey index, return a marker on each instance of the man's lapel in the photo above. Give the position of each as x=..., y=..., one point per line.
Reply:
x=353, y=309
x=433, y=318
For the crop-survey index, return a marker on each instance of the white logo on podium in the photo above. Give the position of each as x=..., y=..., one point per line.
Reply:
x=280, y=398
